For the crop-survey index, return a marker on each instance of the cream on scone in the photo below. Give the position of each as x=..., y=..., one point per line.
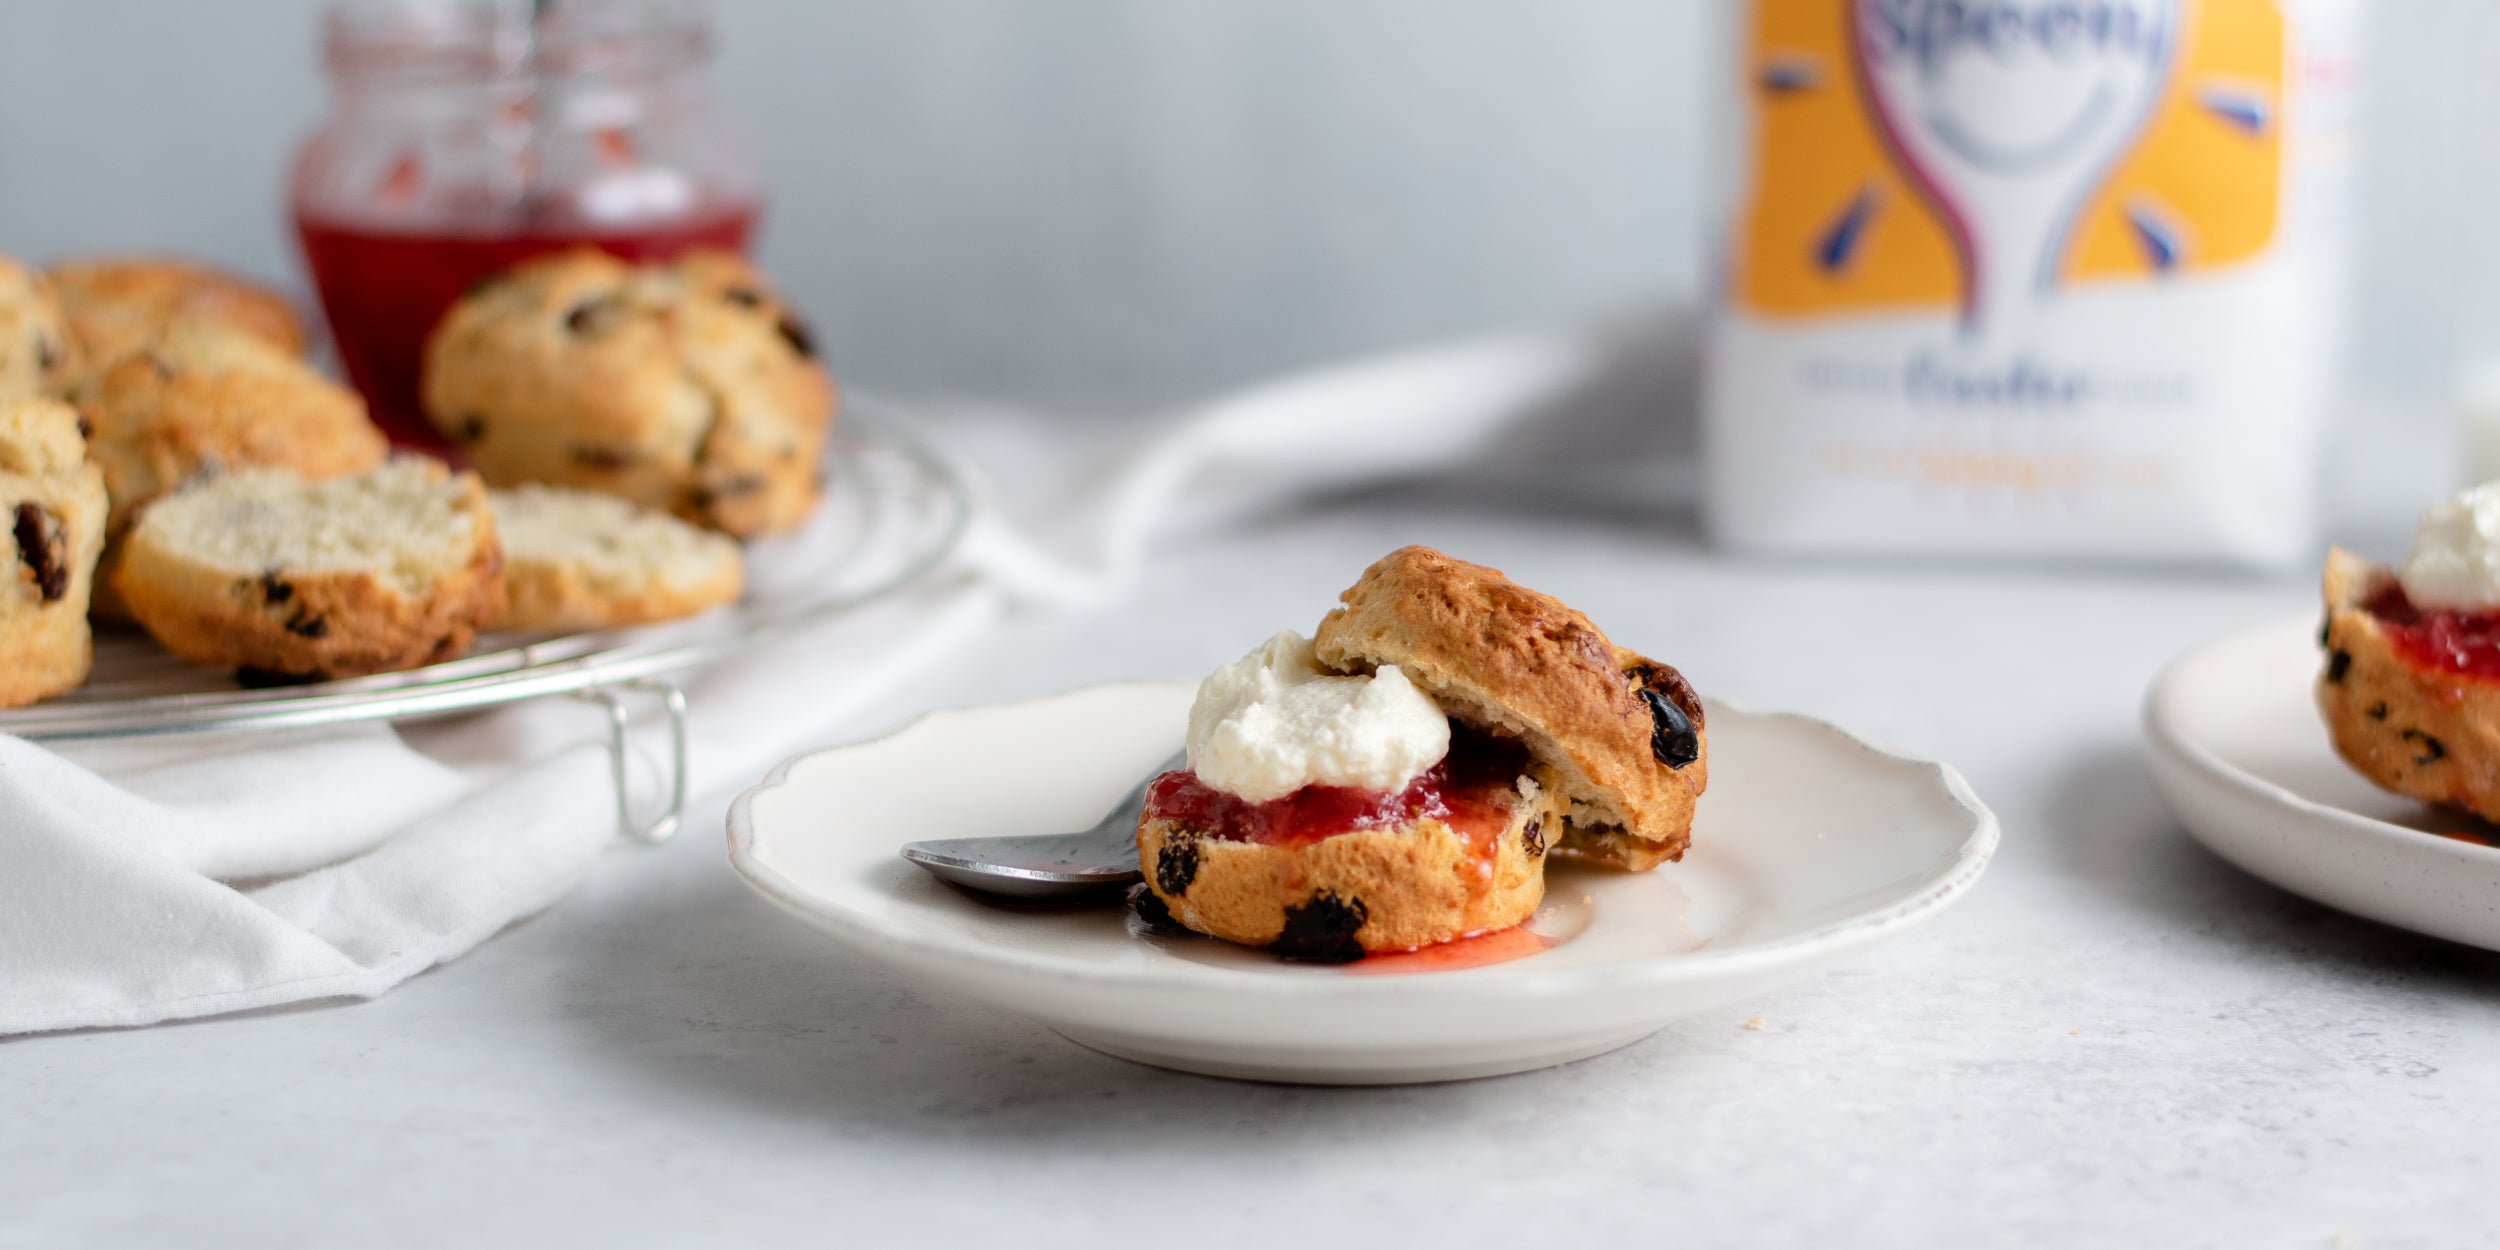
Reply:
x=1339, y=802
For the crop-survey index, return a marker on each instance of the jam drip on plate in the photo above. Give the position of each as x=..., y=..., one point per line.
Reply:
x=1469, y=790
x=2438, y=639
x=1476, y=950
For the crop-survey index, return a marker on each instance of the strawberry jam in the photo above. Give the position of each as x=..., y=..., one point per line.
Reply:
x=1470, y=791
x=2438, y=639
x=1476, y=950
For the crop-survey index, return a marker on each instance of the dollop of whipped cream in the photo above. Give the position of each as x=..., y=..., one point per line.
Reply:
x=2455, y=561
x=1271, y=723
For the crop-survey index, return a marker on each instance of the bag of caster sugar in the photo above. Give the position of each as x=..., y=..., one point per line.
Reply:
x=2029, y=276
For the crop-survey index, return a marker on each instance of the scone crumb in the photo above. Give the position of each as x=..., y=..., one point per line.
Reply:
x=1757, y=1024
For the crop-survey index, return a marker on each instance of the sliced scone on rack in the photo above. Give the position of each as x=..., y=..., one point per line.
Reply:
x=577, y=559
x=52, y=510
x=292, y=580
x=203, y=398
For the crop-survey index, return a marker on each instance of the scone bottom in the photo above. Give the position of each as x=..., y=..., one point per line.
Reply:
x=1330, y=874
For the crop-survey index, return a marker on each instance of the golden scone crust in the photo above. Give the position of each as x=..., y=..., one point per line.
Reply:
x=1507, y=658
x=2425, y=734
x=204, y=398
x=685, y=386
x=1339, y=897
x=38, y=353
x=282, y=624
x=52, y=511
x=117, y=305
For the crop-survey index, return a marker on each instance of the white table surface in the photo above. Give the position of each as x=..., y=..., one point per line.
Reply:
x=2117, y=1039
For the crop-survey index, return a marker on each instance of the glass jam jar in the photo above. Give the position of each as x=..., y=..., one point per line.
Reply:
x=466, y=135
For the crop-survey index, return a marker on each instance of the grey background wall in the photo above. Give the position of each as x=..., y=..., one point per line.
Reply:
x=1129, y=201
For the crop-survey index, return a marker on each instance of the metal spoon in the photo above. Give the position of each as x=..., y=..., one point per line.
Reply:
x=1050, y=865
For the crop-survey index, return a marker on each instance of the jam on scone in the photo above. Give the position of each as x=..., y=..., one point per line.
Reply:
x=2410, y=683
x=1399, y=781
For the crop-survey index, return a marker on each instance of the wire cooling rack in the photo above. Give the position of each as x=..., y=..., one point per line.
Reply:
x=893, y=510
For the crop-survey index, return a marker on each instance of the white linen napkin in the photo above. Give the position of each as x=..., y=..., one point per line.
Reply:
x=168, y=880
x=155, y=881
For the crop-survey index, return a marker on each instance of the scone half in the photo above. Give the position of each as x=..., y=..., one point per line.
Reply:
x=2404, y=710
x=1622, y=734
x=1331, y=875
x=291, y=580
x=577, y=559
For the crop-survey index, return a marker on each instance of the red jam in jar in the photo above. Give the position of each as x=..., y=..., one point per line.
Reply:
x=2444, y=641
x=466, y=136
x=1470, y=791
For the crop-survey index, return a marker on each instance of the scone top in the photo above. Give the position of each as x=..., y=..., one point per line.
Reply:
x=1622, y=733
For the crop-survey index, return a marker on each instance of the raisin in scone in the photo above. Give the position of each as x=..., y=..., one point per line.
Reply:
x=685, y=386
x=1622, y=733
x=52, y=502
x=38, y=354
x=1338, y=806
x=580, y=560
x=292, y=580
x=117, y=305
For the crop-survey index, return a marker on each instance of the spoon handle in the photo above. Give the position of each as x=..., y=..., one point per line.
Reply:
x=1047, y=865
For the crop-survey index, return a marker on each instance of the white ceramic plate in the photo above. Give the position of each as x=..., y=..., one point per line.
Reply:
x=1808, y=845
x=2237, y=749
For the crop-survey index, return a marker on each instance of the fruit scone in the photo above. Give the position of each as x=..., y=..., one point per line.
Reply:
x=203, y=398
x=1399, y=780
x=52, y=505
x=2410, y=685
x=685, y=386
x=38, y=353
x=576, y=559
x=290, y=580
